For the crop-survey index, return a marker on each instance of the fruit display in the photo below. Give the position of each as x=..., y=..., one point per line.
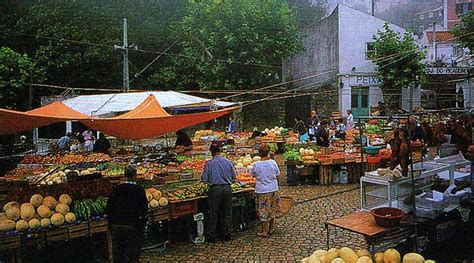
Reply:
x=188, y=192
x=276, y=131
x=347, y=255
x=246, y=178
x=89, y=208
x=372, y=129
x=155, y=198
x=66, y=158
x=39, y=212
x=246, y=162
x=292, y=155
x=198, y=135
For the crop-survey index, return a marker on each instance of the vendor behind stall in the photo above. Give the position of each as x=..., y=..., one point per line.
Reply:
x=102, y=145
x=64, y=142
x=127, y=209
x=322, y=135
x=182, y=139
x=219, y=173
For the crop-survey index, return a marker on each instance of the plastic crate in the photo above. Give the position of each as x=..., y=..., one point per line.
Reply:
x=427, y=213
x=424, y=201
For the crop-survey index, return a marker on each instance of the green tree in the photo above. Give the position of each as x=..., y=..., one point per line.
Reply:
x=399, y=62
x=16, y=71
x=234, y=44
x=465, y=31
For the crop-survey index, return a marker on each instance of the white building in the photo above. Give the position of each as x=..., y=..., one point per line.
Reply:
x=341, y=43
x=449, y=66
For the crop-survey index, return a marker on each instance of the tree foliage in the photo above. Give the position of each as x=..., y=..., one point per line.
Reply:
x=398, y=60
x=464, y=32
x=234, y=44
x=16, y=71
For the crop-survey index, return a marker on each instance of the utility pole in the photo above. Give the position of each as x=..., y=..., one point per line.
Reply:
x=124, y=48
x=373, y=7
x=434, y=42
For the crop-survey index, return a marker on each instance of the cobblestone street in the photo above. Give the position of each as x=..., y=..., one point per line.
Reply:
x=298, y=234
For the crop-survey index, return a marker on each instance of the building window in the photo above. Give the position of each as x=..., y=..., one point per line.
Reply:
x=457, y=50
x=370, y=50
x=430, y=15
x=463, y=8
x=421, y=17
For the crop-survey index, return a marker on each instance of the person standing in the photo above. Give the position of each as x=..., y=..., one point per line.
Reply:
x=232, y=125
x=322, y=135
x=219, y=173
x=182, y=139
x=88, y=140
x=266, y=172
x=127, y=210
x=311, y=124
x=340, y=129
x=102, y=145
x=349, y=120
x=64, y=142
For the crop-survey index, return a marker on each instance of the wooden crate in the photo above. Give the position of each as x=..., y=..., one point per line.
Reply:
x=98, y=226
x=79, y=230
x=325, y=174
x=8, y=243
x=36, y=239
x=56, y=234
x=183, y=208
x=160, y=214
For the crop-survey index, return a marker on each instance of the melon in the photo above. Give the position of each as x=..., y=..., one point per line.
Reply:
x=27, y=211
x=378, y=257
x=3, y=216
x=43, y=211
x=413, y=258
x=391, y=256
x=247, y=162
x=157, y=195
x=34, y=223
x=332, y=254
x=163, y=201
x=348, y=255
x=430, y=261
x=13, y=213
x=363, y=252
x=7, y=225
x=65, y=199
x=313, y=259
x=154, y=203
x=62, y=208
x=151, y=190
x=57, y=219
x=70, y=218
x=50, y=202
x=45, y=222
x=320, y=252
x=36, y=200
x=149, y=196
x=305, y=260
x=338, y=260
x=364, y=259
x=256, y=158
x=21, y=225
x=10, y=204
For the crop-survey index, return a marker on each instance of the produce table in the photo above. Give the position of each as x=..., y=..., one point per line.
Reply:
x=15, y=243
x=363, y=223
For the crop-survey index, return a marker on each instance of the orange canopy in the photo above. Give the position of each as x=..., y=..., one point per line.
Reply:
x=147, y=120
x=148, y=127
x=150, y=107
x=57, y=110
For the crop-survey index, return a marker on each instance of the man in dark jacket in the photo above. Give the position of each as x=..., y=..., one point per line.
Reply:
x=311, y=124
x=127, y=210
x=322, y=136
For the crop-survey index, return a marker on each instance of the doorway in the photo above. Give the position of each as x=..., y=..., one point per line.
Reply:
x=360, y=101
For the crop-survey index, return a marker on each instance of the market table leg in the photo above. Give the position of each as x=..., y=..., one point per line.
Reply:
x=326, y=225
x=109, y=253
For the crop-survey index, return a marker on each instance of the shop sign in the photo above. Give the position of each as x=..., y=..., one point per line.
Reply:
x=447, y=71
x=364, y=80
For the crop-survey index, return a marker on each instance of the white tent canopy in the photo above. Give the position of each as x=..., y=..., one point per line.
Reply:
x=111, y=104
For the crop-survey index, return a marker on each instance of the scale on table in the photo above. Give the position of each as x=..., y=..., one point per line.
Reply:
x=199, y=218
